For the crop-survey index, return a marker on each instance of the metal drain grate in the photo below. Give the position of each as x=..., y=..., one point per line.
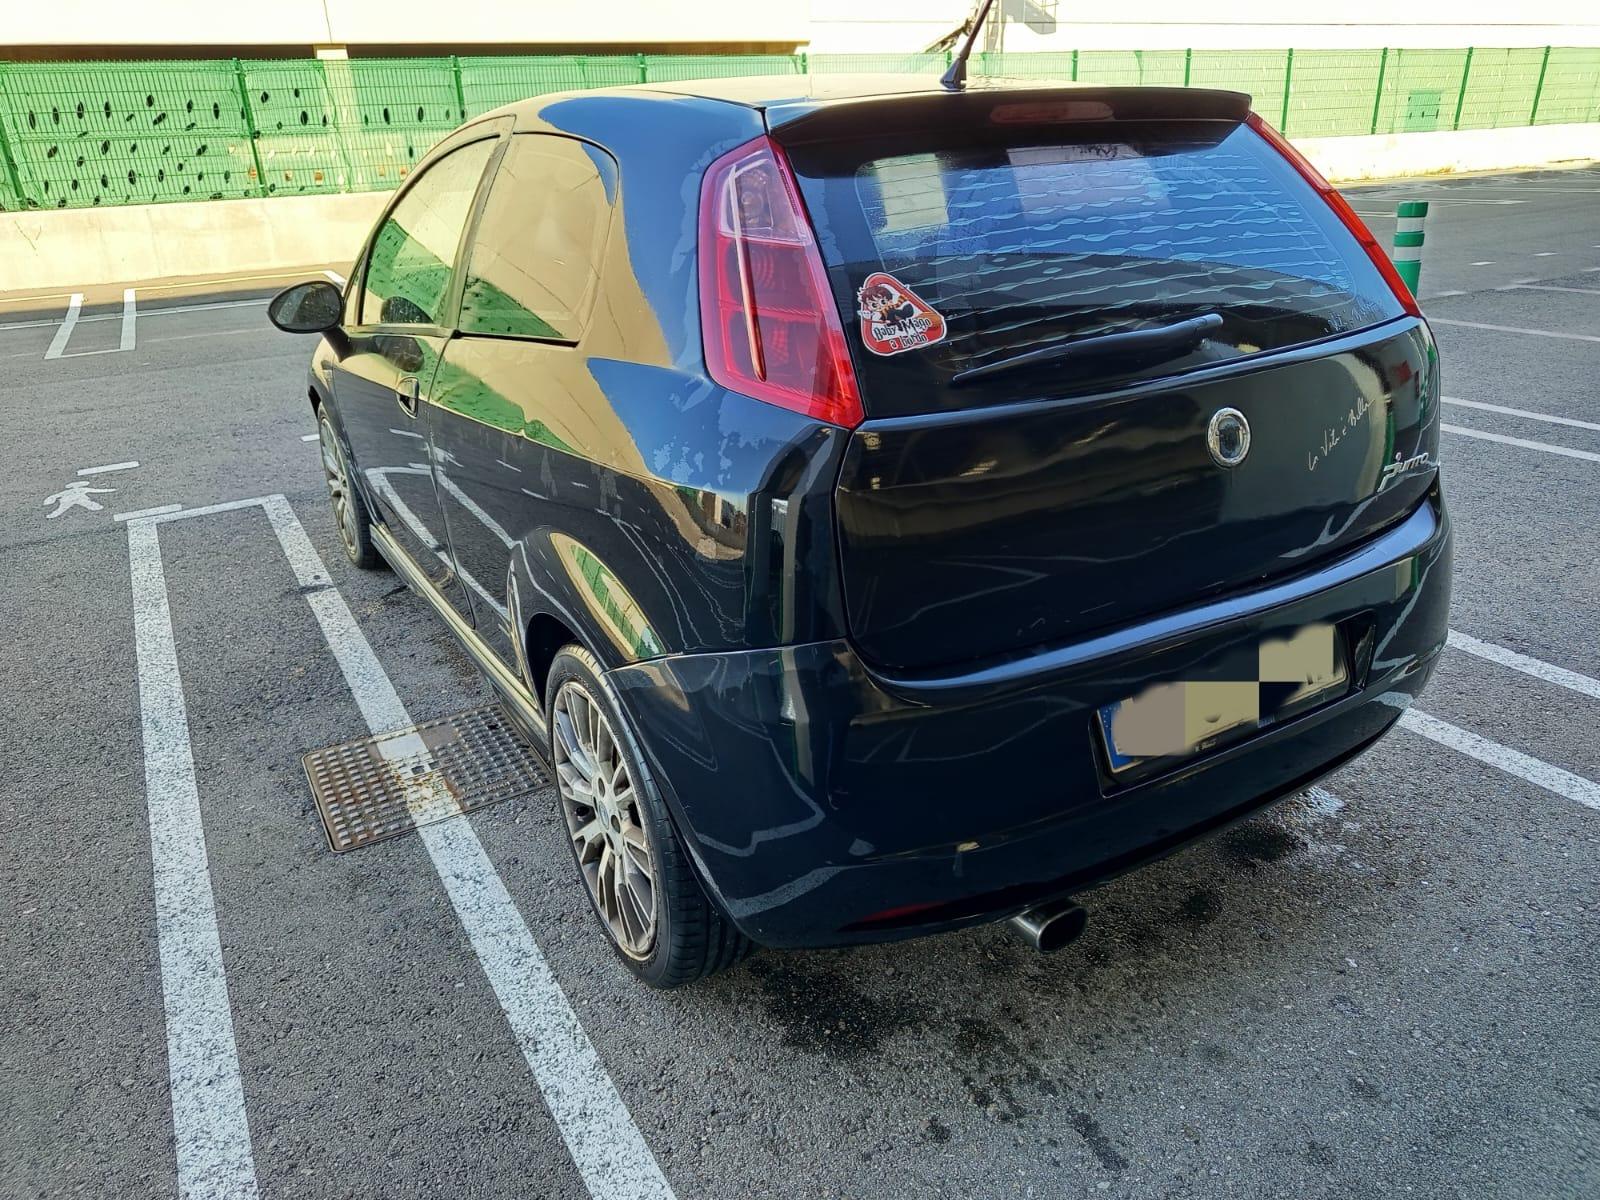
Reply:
x=379, y=787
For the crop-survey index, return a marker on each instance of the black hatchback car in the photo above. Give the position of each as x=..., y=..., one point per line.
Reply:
x=891, y=509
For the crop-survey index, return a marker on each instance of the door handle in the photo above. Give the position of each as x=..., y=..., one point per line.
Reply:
x=407, y=393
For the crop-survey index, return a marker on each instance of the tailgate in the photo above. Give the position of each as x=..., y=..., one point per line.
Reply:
x=1048, y=297
x=990, y=533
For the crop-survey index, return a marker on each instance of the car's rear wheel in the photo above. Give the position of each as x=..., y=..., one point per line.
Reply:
x=349, y=514
x=639, y=879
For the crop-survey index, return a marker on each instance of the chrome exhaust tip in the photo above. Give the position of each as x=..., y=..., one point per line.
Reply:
x=1050, y=926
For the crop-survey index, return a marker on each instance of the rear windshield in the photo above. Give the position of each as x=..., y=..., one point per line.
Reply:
x=990, y=244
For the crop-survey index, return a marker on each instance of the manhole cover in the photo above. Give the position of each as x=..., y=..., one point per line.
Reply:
x=379, y=787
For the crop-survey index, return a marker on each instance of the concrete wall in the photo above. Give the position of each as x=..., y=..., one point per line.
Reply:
x=1389, y=156
x=71, y=247
x=66, y=248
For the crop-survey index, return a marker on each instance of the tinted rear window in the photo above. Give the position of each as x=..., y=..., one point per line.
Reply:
x=1032, y=238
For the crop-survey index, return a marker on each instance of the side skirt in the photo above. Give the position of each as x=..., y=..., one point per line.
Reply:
x=524, y=709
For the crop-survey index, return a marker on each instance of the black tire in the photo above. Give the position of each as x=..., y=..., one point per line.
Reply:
x=691, y=938
x=352, y=522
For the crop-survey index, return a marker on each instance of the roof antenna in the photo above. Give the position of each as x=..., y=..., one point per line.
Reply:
x=955, y=77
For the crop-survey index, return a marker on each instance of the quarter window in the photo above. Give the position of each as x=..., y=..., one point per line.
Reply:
x=535, y=259
x=408, y=268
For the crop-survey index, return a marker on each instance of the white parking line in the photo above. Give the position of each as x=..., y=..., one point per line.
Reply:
x=1513, y=762
x=211, y=1135
x=210, y=333
x=128, y=318
x=121, y=466
x=139, y=513
x=1549, y=672
x=1570, y=337
x=1521, y=412
x=1549, y=287
x=1526, y=444
x=605, y=1144
x=309, y=437
x=59, y=342
x=7, y=326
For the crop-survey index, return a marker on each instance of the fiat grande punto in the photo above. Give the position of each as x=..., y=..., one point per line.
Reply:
x=890, y=508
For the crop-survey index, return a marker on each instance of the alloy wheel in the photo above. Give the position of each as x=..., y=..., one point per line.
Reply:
x=333, y=470
x=601, y=806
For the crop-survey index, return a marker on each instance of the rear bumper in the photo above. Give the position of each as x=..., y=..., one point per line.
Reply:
x=824, y=805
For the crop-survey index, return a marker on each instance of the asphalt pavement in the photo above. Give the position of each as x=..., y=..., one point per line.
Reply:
x=1385, y=987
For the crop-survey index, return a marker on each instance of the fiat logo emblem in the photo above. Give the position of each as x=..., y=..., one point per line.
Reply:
x=1228, y=437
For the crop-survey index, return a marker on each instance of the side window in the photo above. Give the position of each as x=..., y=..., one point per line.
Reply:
x=408, y=267
x=533, y=266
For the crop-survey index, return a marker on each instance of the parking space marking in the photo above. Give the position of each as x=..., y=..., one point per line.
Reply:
x=1521, y=412
x=310, y=437
x=212, y=333
x=121, y=466
x=7, y=326
x=59, y=342
x=140, y=513
x=1570, y=337
x=1549, y=287
x=129, y=316
x=1503, y=758
x=211, y=1134
x=605, y=1144
x=177, y=309
x=1539, y=669
x=1525, y=443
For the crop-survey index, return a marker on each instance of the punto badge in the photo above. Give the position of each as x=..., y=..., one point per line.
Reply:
x=1228, y=437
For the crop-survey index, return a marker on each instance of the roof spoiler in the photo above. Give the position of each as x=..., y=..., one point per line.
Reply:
x=1002, y=108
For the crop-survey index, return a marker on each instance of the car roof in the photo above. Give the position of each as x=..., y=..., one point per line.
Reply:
x=823, y=105
x=765, y=93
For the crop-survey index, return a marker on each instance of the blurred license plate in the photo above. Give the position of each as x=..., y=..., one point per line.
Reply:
x=1178, y=719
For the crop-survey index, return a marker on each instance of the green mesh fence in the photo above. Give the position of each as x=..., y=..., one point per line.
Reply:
x=1571, y=90
x=83, y=134
x=661, y=68
x=1162, y=68
x=490, y=82
x=1334, y=93
x=1046, y=66
x=895, y=64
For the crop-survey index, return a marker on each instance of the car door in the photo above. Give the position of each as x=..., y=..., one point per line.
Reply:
x=513, y=405
x=402, y=313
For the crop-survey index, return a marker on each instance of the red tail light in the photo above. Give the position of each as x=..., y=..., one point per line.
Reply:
x=1342, y=210
x=770, y=325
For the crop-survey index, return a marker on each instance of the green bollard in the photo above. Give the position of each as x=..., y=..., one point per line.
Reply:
x=1409, y=218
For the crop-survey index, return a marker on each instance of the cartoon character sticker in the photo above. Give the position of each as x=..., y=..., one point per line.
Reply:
x=895, y=319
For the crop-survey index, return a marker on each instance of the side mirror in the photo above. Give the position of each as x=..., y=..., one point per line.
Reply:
x=313, y=307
